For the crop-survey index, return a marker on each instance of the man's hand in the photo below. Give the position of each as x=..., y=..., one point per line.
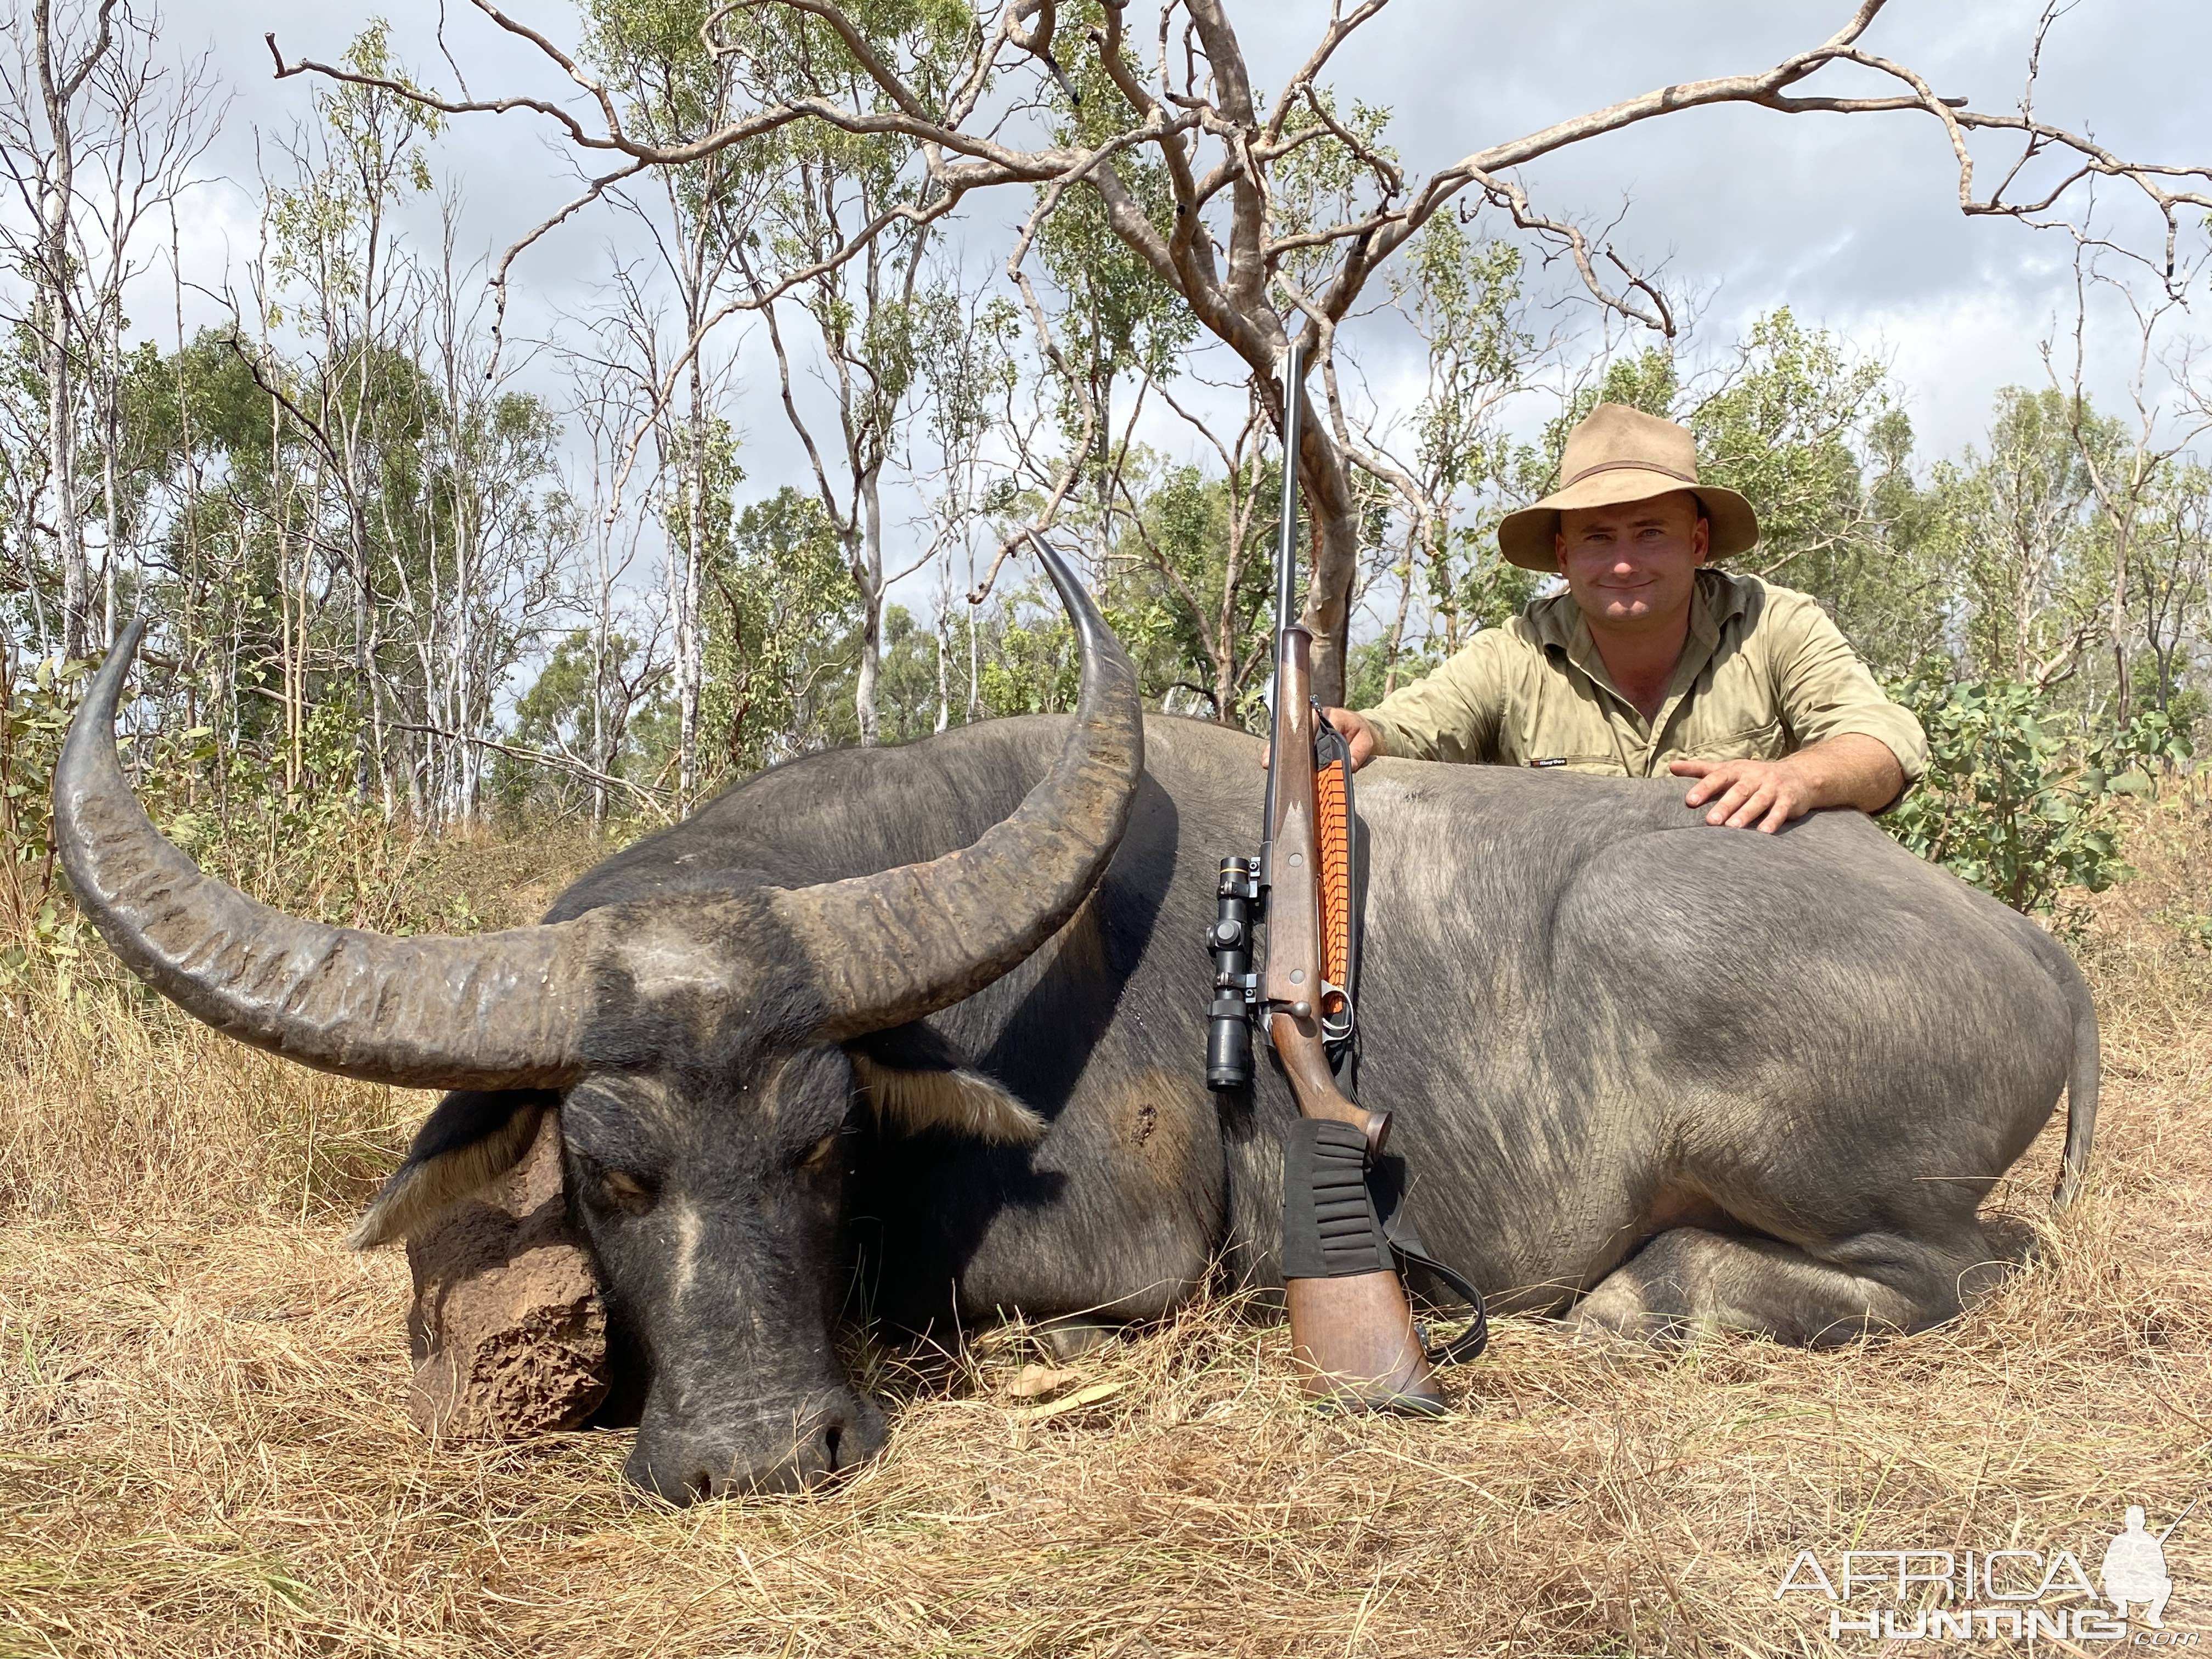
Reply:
x=1767, y=793
x=1354, y=731
x=1358, y=736
x=1849, y=770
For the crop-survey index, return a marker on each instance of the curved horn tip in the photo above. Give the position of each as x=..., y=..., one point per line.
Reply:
x=1100, y=645
x=96, y=715
x=90, y=740
x=1056, y=566
x=106, y=691
x=1050, y=851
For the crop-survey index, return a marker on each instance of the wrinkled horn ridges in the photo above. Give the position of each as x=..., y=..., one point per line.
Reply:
x=892, y=947
x=502, y=1010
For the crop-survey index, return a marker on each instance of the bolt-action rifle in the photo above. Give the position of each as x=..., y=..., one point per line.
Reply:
x=1352, y=1334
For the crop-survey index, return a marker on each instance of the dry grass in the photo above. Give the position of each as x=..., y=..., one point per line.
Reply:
x=203, y=1447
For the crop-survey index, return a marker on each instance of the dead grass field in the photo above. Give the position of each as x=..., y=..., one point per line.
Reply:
x=203, y=1447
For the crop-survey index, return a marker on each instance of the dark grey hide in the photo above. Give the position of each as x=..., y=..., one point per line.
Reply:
x=1645, y=1073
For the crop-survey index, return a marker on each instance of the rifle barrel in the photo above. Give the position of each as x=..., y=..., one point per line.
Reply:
x=1286, y=534
x=2179, y=1518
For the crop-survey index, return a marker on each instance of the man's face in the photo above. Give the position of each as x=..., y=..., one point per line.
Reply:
x=1631, y=568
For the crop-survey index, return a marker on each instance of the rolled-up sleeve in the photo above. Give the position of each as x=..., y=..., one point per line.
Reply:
x=1453, y=713
x=1825, y=690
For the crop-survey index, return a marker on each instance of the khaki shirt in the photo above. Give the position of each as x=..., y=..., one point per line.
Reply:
x=1763, y=674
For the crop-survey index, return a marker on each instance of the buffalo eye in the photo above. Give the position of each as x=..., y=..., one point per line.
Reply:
x=620, y=1190
x=818, y=1155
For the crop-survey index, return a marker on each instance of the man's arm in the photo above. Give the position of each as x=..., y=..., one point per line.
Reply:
x=1849, y=769
x=1859, y=749
x=1450, y=713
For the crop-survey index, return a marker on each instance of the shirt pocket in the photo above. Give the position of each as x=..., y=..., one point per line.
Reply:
x=1601, y=765
x=1763, y=741
x=1559, y=733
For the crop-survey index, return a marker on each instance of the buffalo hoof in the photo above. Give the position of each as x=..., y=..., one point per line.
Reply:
x=688, y=1466
x=1637, y=1330
x=508, y=1333
x=1071, y=1338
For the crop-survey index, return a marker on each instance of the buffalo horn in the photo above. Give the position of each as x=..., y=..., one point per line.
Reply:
x=892, y=947
x=498, y=1011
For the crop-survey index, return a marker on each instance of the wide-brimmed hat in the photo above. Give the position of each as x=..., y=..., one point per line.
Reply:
x=1621, y=454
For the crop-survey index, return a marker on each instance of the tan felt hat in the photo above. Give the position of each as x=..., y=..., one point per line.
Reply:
x=1621, y=454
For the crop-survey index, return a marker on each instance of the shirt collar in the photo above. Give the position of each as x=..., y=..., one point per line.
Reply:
x=1718, y=599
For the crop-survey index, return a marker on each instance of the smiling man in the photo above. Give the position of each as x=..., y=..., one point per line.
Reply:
x=1652, y=662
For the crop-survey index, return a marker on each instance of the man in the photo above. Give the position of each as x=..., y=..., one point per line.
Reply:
x=2134, y=1570
x=1651, y=659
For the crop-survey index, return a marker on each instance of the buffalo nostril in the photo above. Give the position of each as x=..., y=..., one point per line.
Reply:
x=830, y=1437
x=698, y=1487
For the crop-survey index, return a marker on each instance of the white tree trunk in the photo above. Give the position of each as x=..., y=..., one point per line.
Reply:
x=690, y=645
x=869, y=573
x=55, y=328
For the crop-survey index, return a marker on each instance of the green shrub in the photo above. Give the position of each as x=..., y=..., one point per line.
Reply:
x=36, y=919
x=2014, y=802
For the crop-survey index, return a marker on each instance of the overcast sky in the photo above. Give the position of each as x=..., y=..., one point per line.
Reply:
x=1851, y=221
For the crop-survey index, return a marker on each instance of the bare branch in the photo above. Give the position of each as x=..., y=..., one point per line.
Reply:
x=545, y=758
x=1657, y=315
x=1340, y=29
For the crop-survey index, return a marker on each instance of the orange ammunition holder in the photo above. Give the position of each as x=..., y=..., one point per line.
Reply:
x=1332, y=831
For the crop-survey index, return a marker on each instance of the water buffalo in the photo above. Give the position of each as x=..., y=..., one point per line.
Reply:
x=942, y=1006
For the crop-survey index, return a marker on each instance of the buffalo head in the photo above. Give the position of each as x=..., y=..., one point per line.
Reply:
x=704, y=1050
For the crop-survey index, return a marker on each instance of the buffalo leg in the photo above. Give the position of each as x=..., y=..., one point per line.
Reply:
x=1688, y=1280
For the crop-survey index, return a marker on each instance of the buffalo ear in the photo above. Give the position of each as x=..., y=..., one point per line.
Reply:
x=472, y=1139
x=915, y=1079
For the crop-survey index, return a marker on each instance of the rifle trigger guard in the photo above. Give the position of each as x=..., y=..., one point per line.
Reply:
x=1338, y=1027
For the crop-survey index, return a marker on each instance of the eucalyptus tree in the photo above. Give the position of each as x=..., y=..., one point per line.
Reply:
x=24, y=462
x=1465, y=302
x=871, y=303
x=477, y=531
x=972, y=391
x=2019, y=521
x=2127, y=467
x=1191, y=586
x=1113, y=319
x=1813, y=429
x=867, y=317
x=97, y=134
x=785, y=647
x=349, y=295
x=657, y=70
x=218, y=575
x=624, y=653
x=2171, y=596
x=47, y=113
